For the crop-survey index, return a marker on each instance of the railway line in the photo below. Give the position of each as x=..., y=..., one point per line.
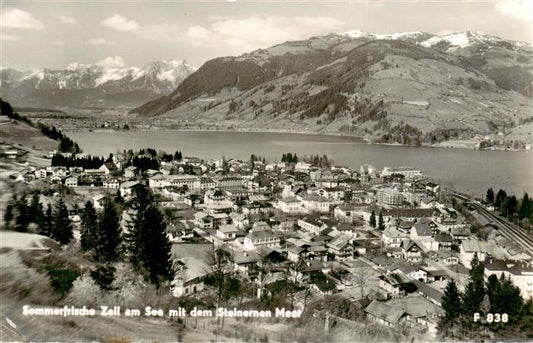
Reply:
x=507, y=229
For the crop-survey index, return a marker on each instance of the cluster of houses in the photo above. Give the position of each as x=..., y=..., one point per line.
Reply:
x=315, y=223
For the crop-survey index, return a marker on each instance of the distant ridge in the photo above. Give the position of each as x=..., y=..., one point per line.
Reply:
x=408, y=88
x=97, y=85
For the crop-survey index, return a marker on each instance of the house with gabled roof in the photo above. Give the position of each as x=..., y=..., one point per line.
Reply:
x=126, y=188
x=391, y=283
x=444, y=240
x=348, y=212
x=382, y=313
x=297, y=252
x=260, y=238
x=193, y=264
x=460, y=233
x=392, y=237
x=227, y=232
x=179, y=231
x=98, y=201
x=312, y=225
x=470, y=247
x=422, y=229
x=341, y=247
x=130, y=172
x=244, y=261
x=446, y=257
x=108, y=167
x=203, y=220
x=419, y=311
x=71, y=181
x=412, y=251
x=239, y=220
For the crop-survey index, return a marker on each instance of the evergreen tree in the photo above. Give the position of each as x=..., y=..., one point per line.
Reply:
x=62, y=228
x=119, y=200
x=509, y=206
x=108, y=234
x=509, y=298
x=381, y=223
x=504, y=297
x=22, y=216
x=470, y=301
x=89, y=227
x=526, y=207
x=137, y=236
x=225, y=165
x=372, y=221
x=493, y=291
x=500, y=197
x=158, y=247
x=490, y=196
x=147, y=242
x=48, y=222
x=8, y=216
x=475, y=290
x=253, y=158
x=451, y=302
x=104, y=275
x=36, y=210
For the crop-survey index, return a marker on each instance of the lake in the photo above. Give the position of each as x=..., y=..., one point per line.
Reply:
x=471, y=171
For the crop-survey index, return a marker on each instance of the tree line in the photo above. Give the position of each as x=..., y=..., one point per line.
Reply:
x=496, y=296
x=289, y=158
x=319, y=161
x=65, y=143
x=145, y=245
x=520, y=211
x=51, y=222
x=380, y=223
x=7, y=110
x=89, y=162
x=143, y=159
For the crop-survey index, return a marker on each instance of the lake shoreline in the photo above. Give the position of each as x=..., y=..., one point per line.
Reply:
x=455, y=144
x=469, y=169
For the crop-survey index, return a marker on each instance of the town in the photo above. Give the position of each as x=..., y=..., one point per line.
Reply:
x=388, y=241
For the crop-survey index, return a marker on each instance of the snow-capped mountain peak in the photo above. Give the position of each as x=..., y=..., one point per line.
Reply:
x=414, y=37
x=99, y=80
x=459, y=40
x=358, y=34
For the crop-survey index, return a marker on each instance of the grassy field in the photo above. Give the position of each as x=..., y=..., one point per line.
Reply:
x=21, y=134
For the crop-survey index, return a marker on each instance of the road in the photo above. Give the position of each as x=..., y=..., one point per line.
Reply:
x=506, y=228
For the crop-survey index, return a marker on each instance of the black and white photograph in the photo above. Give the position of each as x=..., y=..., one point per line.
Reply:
x=266, y=171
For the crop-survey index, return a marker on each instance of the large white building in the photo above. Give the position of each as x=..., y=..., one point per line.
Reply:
x=520, y=274
x=161, y=181
x=290, y=205
x=408, y=172
x=260, y=236
x=390, y=197
x=315, y=204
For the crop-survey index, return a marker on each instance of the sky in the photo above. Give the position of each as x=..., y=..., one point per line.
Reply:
x=54, y=34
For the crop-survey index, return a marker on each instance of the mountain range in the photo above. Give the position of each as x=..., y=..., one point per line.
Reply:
x=96, y=85
x=409, y=88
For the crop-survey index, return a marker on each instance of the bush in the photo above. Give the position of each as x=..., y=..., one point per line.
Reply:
x=103, y=276
x=84, y=292
x=61, y=278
